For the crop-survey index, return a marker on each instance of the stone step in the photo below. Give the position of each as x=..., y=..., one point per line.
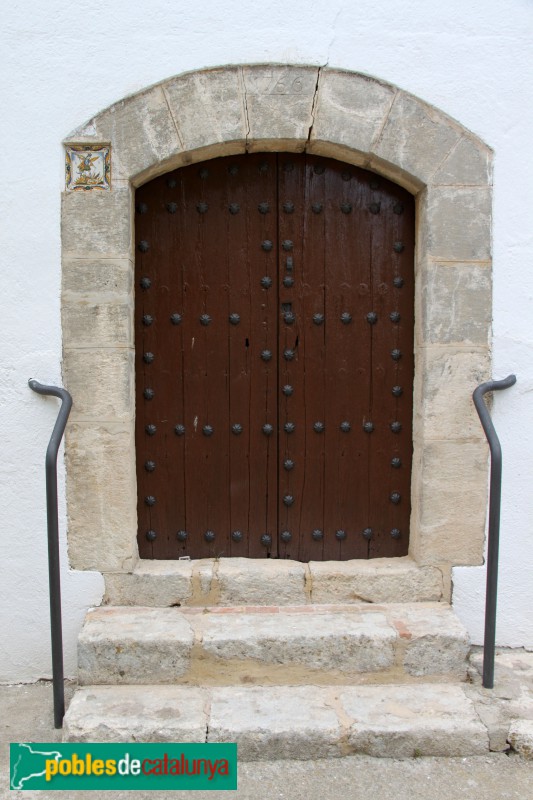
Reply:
x=293, y=645
x=264, y=581
x=281, y=722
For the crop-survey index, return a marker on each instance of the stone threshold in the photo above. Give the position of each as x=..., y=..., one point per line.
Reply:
x=275, y=582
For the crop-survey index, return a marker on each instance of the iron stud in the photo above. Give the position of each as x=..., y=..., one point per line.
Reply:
x=372, y=317
x=346, y=208
x=148, y=394
x=288, y=390
x=288, y=208
x=205, y=319
x=208, y=430
x=263, y=167
x=397, y=391
x=172, y=208
x=234, y=208
x=286, y=536
x=317, y=535
x=398, y=282
x=268, y=429
x=398, y=208
x=288, y=499
x=399, y=247
x=236, y=536
x=266, y=282
x=287, y=245
x=151, y=430
x=396, y=427
x=318, y=319
x=396, y=354
x=143, y=246
x=288, y=354
x=201, y=207
x=266, y=355
x=289, y=317
x=319, y=427
x=181, y=536
x=374, y=208
x=319, y=169
x=317, y=208
x=175, y=319
x=234, y=319
x=151, y=535
x=346, y=176
x=141, y=208
x=395, y=498
x=288, y=464
x=148, y=358
x=149, y=466
x=263, y=208
x=147, y=320
x=289, y=265
x=368, y=427
x=149, y=500
x=374, y=184
x=233, y=169
x=396, y=462
x=395, y=533
x=266, y=540
x=340, y=535
x=288, y=166
x=346, y=427
x=288, y=281
x=209, y=536
x=266, y=245
x=367, y=533
x=179, y=430
x=236, y=429
x=289, y=427
x=394, y=316
x=145, y=283
x=346, y=318
x=204, y=173
x=171, y=183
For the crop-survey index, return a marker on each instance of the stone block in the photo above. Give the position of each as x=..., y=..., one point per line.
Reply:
x=141, y=131
x=101, y=383
x=279, y=102
x=451, y=494
x=435, y=642
x=468, y=164
x=101, y=496
x=416, y=137
x=152, y=583
x=125, y=714
x=350, y=109
x=456, y=303
x=455, y=223
x=134, y=645
x=407, y=721
x=380, y=580
x=256, y=582
x=90, y=324
x=96, y=223
x=447, y=376
x=107, y=280
x=289, y=722
x=521, y=737
x=208, y=107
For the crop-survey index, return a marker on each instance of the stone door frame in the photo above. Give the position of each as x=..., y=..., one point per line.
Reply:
x=338, y=114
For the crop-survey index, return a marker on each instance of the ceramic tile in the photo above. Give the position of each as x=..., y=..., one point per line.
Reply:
x=88, y=167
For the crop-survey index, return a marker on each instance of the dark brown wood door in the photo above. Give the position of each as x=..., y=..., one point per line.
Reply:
x=274, y=358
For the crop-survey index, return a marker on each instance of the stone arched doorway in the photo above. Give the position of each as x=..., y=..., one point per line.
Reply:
x=342, y=115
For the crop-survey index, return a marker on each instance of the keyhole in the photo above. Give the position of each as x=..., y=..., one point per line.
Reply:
x=247, y=342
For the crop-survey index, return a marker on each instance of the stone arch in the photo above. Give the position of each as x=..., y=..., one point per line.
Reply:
x=339, y=114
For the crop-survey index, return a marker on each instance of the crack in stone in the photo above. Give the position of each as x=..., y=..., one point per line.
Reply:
x=174, y=120
x=313, y=106
x=245, y=108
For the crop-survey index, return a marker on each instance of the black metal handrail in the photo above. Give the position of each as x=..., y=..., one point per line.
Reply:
x=493, y=544
x=54, y=576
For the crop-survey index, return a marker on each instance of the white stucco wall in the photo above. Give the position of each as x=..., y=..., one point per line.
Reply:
x=63, y=63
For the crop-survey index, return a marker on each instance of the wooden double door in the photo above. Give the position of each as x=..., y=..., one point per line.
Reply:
x=274, y=360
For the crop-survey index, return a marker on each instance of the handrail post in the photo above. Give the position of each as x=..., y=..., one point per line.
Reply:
x=54, y=576
x=493, y=544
